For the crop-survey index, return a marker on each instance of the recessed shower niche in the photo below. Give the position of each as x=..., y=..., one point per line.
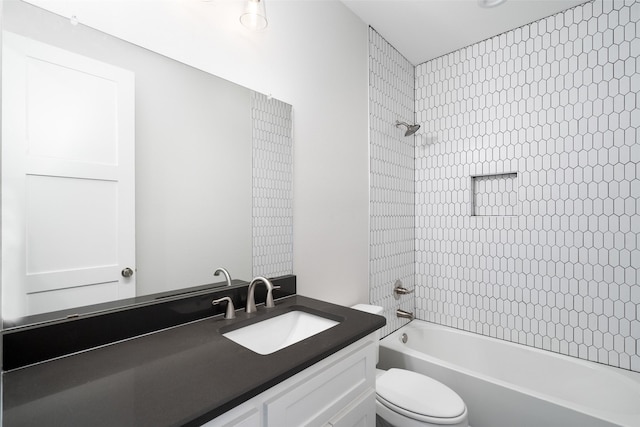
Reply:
x=494, y=195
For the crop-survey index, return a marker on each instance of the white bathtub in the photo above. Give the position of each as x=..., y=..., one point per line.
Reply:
x=512, y=385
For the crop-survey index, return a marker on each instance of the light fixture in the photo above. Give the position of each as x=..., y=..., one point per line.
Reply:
x=490, y=3
x=254, y=16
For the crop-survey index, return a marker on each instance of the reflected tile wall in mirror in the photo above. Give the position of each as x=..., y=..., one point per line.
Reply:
x=272, y=186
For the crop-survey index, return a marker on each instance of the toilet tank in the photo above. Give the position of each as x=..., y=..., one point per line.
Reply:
x=373, y=309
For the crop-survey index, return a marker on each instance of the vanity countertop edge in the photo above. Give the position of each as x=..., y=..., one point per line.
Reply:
x=180, y=376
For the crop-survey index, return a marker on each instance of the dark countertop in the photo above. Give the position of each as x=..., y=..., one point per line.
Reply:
x=185, y=375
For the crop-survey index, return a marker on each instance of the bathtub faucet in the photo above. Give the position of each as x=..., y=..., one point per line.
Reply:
x=404, y=314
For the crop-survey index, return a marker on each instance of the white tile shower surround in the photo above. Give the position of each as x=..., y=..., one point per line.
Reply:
x=272, y=188
x=392, y=252
x=557, y=102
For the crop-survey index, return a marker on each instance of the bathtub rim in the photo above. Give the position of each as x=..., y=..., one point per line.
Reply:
x=393, y=342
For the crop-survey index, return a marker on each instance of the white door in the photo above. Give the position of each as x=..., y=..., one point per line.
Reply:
x=68, y=207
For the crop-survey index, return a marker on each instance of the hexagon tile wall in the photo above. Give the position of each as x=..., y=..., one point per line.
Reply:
x=272, y=186
x=391, y=257
x=557, y=102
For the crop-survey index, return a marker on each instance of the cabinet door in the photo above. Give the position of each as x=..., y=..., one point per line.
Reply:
x=316, y=400
x=359, y=413
x=338, y=390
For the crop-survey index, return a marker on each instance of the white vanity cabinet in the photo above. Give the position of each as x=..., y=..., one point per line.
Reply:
x=337, y=391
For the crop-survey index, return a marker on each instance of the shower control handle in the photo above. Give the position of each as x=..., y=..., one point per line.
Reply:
x=398, y=289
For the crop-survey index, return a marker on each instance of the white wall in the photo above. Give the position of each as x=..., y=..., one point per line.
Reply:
x=313, y=55
x=557, y=102
x=391, y=98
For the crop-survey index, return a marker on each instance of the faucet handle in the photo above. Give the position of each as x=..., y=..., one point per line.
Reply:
x=230, y=312
x=399, y=289
x=269, y=302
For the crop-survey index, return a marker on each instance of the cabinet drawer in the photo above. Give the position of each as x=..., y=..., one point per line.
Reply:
x=241, y=416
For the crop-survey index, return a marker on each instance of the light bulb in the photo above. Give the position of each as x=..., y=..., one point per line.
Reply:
x=254, y=16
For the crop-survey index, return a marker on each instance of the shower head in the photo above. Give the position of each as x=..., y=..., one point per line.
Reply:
x=411, y=129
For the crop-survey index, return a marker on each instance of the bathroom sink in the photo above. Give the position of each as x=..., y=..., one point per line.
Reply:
x=278, y=332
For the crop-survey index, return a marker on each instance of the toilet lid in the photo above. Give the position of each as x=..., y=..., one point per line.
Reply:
x=418, y=394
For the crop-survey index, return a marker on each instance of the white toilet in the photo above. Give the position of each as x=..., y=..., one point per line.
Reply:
x=409, y=399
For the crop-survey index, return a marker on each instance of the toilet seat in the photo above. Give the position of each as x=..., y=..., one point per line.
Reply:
x=419, y=397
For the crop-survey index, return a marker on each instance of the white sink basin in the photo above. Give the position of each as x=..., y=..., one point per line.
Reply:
x=279, y=332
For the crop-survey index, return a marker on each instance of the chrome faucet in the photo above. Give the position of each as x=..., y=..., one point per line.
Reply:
x=251, y=299
x=226, y=274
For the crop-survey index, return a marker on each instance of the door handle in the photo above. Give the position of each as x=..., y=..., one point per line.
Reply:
x=127, y=272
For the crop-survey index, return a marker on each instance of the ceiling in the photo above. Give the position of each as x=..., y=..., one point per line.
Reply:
x=425, y=29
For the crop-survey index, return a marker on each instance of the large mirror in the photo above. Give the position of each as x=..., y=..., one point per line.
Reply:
x=126, y=173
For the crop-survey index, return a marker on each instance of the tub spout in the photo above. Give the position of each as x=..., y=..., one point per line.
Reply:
x=404, y=314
